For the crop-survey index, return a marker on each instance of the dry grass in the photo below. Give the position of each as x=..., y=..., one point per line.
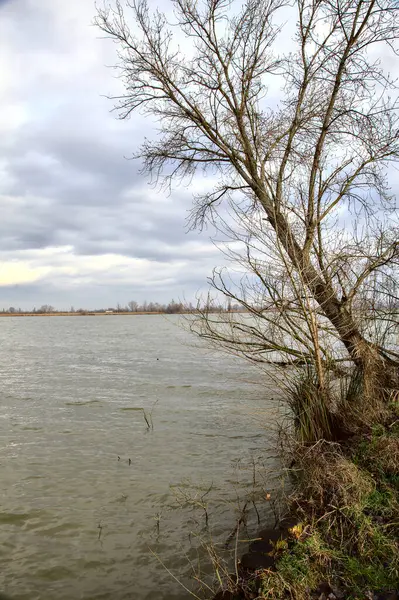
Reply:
x=342, y=446
x=362, y=402
x=385, y=454
x=331, y=478
x=311, y=410
x=346, y=494
x=349, y=524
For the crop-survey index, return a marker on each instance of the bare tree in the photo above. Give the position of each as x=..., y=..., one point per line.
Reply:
x=310, y=219
x=133, y=306
x=46, y=308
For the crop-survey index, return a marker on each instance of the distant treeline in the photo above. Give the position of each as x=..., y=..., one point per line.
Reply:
x=131, y=307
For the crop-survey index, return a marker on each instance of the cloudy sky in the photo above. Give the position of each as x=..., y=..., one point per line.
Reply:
x=79, y=225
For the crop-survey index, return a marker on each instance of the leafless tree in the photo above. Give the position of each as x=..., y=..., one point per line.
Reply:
x=133, y=306
x=46, y=308
x=300, y=185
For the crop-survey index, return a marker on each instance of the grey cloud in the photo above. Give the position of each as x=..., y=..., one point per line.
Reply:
x=66, y=181
x=85, y=167
x=139, y=229
x=94, y=199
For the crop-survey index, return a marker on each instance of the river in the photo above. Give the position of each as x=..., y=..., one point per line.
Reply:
x=91, y=499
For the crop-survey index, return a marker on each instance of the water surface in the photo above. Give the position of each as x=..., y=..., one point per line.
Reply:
x=88, y=493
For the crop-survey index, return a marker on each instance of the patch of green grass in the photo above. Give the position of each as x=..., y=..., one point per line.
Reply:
x=350, y=538
x=379, y=453
x=393, y=480
x=381, y=502
x=295, y=567
x=301, y=568
x=361, y=576
x=378, y=430
x=346, y=499
x=313, y=561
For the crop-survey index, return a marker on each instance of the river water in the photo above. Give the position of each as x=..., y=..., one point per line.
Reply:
x=91, y=500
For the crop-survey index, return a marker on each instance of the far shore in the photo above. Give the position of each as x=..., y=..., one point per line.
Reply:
x=83, y=314
x=98, y=314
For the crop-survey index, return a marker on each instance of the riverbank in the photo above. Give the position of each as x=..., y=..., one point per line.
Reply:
x=345, y=542
x=342, y=538
x=80, y=314
x=87, y=313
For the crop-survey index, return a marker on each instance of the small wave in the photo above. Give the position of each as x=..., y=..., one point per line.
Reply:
x=82, y=403
x=9, y=518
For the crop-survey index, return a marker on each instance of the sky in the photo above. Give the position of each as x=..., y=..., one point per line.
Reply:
x=79, y=225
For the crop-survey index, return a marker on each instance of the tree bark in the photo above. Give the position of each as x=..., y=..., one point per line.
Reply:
x=361, y=352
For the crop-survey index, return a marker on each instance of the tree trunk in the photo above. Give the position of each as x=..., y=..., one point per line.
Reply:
x=362, y=353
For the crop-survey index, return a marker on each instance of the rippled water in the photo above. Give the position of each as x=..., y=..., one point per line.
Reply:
x=76, y=519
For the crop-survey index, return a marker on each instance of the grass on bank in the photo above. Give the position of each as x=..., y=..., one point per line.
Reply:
x=345, y=458
x=343, y=452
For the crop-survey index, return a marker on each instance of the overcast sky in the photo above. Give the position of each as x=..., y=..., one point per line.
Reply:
x=79, y=226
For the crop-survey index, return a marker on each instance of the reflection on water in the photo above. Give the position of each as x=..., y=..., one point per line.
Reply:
x=87, y=488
